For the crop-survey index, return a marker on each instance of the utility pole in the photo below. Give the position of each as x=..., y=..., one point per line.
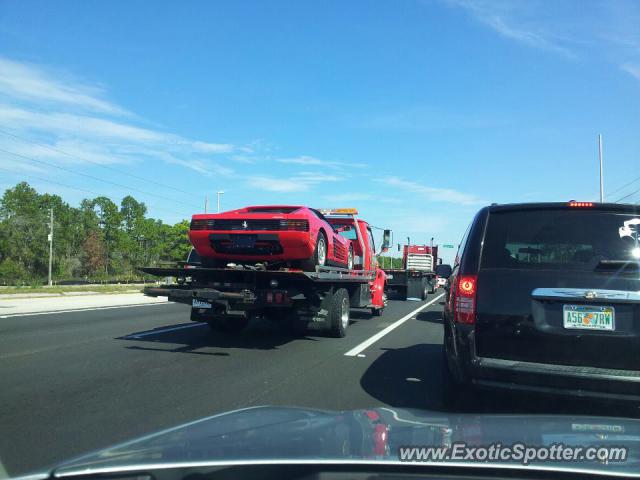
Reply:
x=206, y=202
x=601, y=176
x=218, y=193
x=50, y=238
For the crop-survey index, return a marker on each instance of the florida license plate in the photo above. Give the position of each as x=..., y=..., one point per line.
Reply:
x=589, y=317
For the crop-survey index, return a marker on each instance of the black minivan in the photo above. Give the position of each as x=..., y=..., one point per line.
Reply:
x=546, y=297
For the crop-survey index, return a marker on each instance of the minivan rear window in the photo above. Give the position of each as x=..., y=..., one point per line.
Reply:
x=559, y=238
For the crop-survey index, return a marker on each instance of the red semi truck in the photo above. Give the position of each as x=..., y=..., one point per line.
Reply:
x=228, y=296
x=417, y=276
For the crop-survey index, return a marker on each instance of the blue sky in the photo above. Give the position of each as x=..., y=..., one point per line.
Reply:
x=416, y=112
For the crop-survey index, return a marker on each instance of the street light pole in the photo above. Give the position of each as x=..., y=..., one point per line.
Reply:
x=218, y=194
x=601, y=176
x=50, y=238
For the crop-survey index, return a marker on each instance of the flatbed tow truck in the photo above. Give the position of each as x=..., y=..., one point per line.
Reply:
x=227, y=298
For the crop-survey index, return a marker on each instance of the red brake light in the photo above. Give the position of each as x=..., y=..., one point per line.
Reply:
x=297, y=225
x=464, y=306
x=580, y=204
x=467, y=286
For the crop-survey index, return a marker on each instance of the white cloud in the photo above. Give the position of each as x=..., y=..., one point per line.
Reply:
x=314, y=177
x=69, y=152
x=632, y=69
x=434, y=194
x=343, y=198
x=78, y=125
x=242, y=159
x=300, y=182
x=273, y=184
x=307, y=160
x=513, y=22
x=56, y=118
x=603, y=31
x=212, y=147
x=30, y=82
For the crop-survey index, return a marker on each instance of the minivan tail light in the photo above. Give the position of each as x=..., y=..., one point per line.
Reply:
x=464, y=302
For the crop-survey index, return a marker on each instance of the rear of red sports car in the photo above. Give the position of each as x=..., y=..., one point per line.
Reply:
x=256, y=234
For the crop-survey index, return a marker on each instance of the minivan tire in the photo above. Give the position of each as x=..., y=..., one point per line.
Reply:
x=456, y=396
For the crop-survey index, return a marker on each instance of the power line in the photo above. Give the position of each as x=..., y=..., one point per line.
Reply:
x=94, y=178
x=35, y=177
x=627, y=196
x=107, y=167
x=624, y=186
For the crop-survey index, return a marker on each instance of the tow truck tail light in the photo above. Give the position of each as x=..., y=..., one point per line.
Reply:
x=295, y=225
x=464, y=301
x=575, y=204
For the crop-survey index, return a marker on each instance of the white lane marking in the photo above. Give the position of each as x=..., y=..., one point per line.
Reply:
x=371, y=340
x=154, y=332
x=52, y=312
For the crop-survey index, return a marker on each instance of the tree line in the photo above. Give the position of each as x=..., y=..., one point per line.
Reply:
x=97, y=241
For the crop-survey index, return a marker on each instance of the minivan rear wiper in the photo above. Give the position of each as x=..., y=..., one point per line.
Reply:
x=618, y=265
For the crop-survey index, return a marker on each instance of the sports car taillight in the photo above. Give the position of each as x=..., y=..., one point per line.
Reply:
x=296, y=225
x=464, y=301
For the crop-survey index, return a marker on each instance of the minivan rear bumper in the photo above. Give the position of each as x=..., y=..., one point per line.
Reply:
x=558, y=379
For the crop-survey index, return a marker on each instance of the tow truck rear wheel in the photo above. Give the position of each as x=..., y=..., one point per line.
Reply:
x=339, y=313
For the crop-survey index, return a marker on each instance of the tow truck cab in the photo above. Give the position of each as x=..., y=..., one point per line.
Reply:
x=345, y=222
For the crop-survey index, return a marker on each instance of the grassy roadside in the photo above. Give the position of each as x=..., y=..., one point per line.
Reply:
x=67, y=289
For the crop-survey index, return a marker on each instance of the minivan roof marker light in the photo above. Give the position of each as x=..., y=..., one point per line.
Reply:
x=573, y=203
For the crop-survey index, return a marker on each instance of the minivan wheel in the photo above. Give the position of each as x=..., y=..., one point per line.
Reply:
x=456, y=396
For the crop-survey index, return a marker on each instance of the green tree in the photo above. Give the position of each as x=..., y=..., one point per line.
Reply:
x=97, y=239
x=93, y=254
x=110, y=222
x=24, y=231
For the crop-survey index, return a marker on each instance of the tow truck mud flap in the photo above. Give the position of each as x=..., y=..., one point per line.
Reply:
x=416, y=287
x=360, y=297
x=316, y=313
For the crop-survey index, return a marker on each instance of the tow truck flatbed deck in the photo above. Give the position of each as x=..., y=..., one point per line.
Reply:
x=206, y=275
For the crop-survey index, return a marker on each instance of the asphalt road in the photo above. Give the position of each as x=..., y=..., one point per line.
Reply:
x=74, y=382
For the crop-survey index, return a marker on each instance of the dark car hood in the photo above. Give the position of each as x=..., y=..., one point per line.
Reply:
x=274, y=434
